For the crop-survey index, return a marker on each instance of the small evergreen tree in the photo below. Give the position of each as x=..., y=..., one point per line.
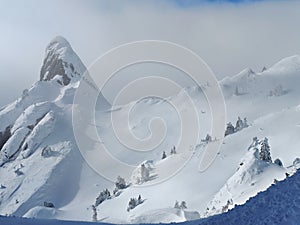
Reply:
x=164, y=155
x=245, y=123
x=208, y=138
x=131, y=204
x=229, y=129
x=264, y=153
x=144, y=173
x=183, y=205
x=140, y=199
x=173, y=150
x=239, y=124
x=94, y=213
x=120, y=183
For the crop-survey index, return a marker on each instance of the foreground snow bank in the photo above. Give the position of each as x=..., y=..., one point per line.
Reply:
x=280, y=204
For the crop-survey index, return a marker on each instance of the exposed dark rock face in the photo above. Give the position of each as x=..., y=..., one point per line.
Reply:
x=60, y=59
x=4, y=136
x=53, y=66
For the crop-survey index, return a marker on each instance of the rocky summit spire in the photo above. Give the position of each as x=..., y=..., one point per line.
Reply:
x=61, y=60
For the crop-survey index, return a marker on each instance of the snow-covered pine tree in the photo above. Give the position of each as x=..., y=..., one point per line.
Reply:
x=245, y=122
x=278, y=162
x=183, y=205
x=264, y=153
x=239, y=124
x=94, y=213
x=120, y=183
x=229, y=129
x=133, y=202
x=144, y=173
x=102, y=197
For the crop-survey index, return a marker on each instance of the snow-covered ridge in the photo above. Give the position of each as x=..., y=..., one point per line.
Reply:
x=252, y=174
x=41, y=163
x=286, y=66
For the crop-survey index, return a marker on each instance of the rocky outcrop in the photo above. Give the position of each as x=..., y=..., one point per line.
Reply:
x=61, y=60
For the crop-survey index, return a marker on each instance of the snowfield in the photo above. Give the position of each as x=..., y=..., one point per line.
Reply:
x=278, y=205
x=40, y=162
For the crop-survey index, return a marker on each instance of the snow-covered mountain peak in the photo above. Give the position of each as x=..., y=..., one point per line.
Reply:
x=287, y=65
x=60, y=59
x=58, y=42
x=245, y=74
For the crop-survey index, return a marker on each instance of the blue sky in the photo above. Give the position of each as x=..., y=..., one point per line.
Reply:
x=192, y=3
x=228, y=36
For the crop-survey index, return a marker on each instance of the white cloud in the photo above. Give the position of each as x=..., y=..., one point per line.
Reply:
x=229, y=37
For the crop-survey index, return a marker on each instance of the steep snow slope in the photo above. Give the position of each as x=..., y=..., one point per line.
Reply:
x=40, y=160
x=277, y=205
x=252, y=172
x=37, y=144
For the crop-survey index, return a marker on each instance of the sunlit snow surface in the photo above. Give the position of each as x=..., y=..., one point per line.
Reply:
x=280, y=204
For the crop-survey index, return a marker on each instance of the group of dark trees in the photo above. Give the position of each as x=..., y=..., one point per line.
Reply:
x=172, y=152
x=240, y=124
x=105, y=194
x=264, y=153
x=208, y=139
x=182, y=205
x=226, y=207
x=264, y=150
x=134, y=202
